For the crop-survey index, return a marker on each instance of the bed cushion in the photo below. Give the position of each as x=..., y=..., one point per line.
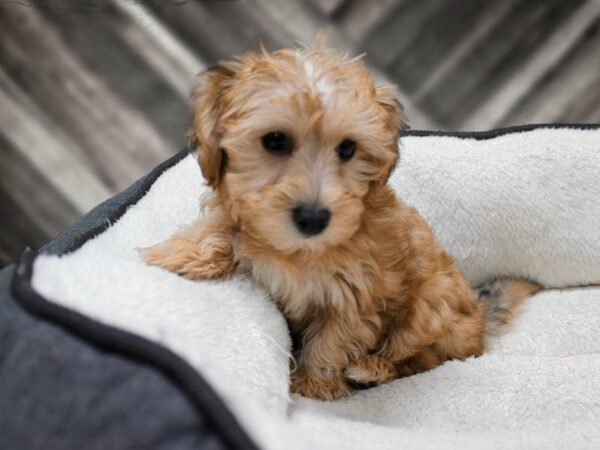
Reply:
x=516, y=202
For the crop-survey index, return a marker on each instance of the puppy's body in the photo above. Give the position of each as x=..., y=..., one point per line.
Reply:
x=298, y=146
x=386, y=303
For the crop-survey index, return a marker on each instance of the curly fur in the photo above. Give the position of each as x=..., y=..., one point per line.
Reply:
x=371, y=298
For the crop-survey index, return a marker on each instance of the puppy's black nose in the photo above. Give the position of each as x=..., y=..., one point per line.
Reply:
x=311, y=219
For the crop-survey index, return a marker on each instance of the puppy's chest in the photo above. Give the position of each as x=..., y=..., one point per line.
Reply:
x=300, y=289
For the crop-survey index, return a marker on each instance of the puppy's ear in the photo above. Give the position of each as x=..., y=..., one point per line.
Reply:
x=208, y=104
x=394, y=124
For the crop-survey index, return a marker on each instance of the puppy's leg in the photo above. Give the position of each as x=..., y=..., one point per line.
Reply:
x=444, y=321
x=204, y=250
x=441, y=320
x=370, y=371
x=322, y=384
x=374, y=370
x=331, y=342
x=406, y=347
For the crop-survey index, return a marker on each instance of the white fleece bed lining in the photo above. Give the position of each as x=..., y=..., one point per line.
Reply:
x=522, y=204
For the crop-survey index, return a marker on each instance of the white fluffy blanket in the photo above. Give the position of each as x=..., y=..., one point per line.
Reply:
x=522, y=204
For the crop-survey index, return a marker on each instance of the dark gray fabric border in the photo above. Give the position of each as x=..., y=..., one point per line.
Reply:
x=109, y=211
x=484, y=135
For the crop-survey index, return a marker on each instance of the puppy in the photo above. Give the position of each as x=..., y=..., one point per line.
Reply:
x=297, y=146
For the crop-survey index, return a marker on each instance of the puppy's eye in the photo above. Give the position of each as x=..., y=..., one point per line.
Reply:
x=277, y=143
x=346, y=149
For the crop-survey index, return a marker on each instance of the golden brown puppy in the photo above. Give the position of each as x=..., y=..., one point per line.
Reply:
x=297, y=146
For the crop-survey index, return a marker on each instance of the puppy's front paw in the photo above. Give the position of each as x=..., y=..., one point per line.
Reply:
x=189, y=259
x=319, y=387
x=370, y=371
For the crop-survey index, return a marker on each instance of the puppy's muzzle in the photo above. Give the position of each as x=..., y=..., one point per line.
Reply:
x=311, y=219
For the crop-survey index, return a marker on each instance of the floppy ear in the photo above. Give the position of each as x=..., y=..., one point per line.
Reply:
x=207, y=108
x=394, y=124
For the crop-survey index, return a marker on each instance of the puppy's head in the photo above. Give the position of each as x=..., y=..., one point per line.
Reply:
x=293, y=141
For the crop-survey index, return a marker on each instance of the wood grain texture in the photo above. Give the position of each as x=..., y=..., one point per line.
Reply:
x=93, y=94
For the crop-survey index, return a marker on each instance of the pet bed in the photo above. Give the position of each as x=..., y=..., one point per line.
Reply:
x=100, y=350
